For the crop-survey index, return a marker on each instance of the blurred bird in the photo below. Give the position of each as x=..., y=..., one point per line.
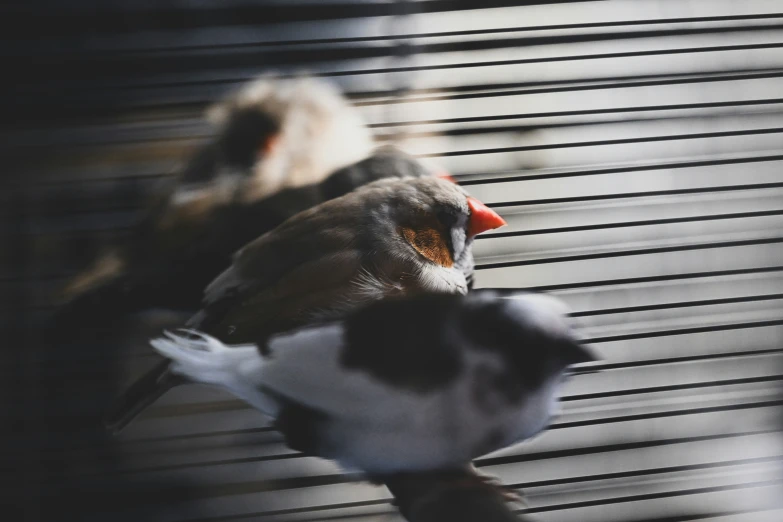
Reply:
x=276, y=142
x=416, y=384
x=391, y=238
x=161, y=269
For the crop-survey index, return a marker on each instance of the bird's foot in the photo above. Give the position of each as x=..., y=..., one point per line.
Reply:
x=510, y=495
x=202, y=358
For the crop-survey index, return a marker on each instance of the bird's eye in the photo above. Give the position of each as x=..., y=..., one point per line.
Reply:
x=448, y=219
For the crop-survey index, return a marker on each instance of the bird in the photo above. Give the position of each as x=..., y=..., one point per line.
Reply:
x=423, y=383
x=317, y=131
x=390, y=238
x=281, y=147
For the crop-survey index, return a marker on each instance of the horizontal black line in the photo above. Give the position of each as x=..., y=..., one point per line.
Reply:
x=684, y=331
x=523, y=61
x=595, y=123
x=502, y=86
x=619, y=170
x=678, y=304
x=672, y=387
x=504, y=89
x=607, y=448
x=591, y=85
x=640, y=280
x=624, y=224
x=294, y=511
x=691, y=517
x=399, y=46
x=491, y=461
x=645, y=472
x=625, y=195
x=633, y=252
x=650, y=496
x=72, y=22
x=583, y=112
x=664, y=414
x=357, y=96
x=169, y=438
x=600, y=143
x=190, y=465
x=473, y=32
x=602, y=366
x=195, y=408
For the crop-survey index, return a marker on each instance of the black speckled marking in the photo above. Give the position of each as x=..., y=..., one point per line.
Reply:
x=402, y=343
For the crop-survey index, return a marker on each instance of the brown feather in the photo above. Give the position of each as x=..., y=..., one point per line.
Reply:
x=430, y=243
x=291, y=275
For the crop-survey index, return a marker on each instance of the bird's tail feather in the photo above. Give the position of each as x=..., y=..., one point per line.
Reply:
x=140, y=395
x=198, y=358
x=238, y=369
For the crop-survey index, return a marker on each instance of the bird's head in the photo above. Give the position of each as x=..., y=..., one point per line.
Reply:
x=288, y=132
x=434, y=220
x=532, y=331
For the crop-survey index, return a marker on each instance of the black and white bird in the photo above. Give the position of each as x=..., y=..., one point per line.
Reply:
x=390, y=239
x=417, y=384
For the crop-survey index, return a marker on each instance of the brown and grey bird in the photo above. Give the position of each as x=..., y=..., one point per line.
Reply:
x=391, y=238
x=277, y=146
x=417, y=384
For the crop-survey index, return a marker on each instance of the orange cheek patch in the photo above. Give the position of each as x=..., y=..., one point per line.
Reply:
x=430, y=243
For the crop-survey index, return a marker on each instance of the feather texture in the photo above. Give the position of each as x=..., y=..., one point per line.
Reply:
x=400, y=385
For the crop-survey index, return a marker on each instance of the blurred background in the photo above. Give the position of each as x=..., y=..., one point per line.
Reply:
x=633, y=146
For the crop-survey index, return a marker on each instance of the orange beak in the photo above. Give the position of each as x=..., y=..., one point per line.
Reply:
x=442, y=174
x=482, y=218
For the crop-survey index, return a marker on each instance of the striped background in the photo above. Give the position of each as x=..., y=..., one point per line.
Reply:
x=634, y=147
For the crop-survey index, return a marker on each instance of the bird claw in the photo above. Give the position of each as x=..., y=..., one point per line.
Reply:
x=512, y=496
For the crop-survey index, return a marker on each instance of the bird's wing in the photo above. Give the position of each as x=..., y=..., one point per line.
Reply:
x=307, y=368
x=284, y=278
x=303, y=368
x=382, y=361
